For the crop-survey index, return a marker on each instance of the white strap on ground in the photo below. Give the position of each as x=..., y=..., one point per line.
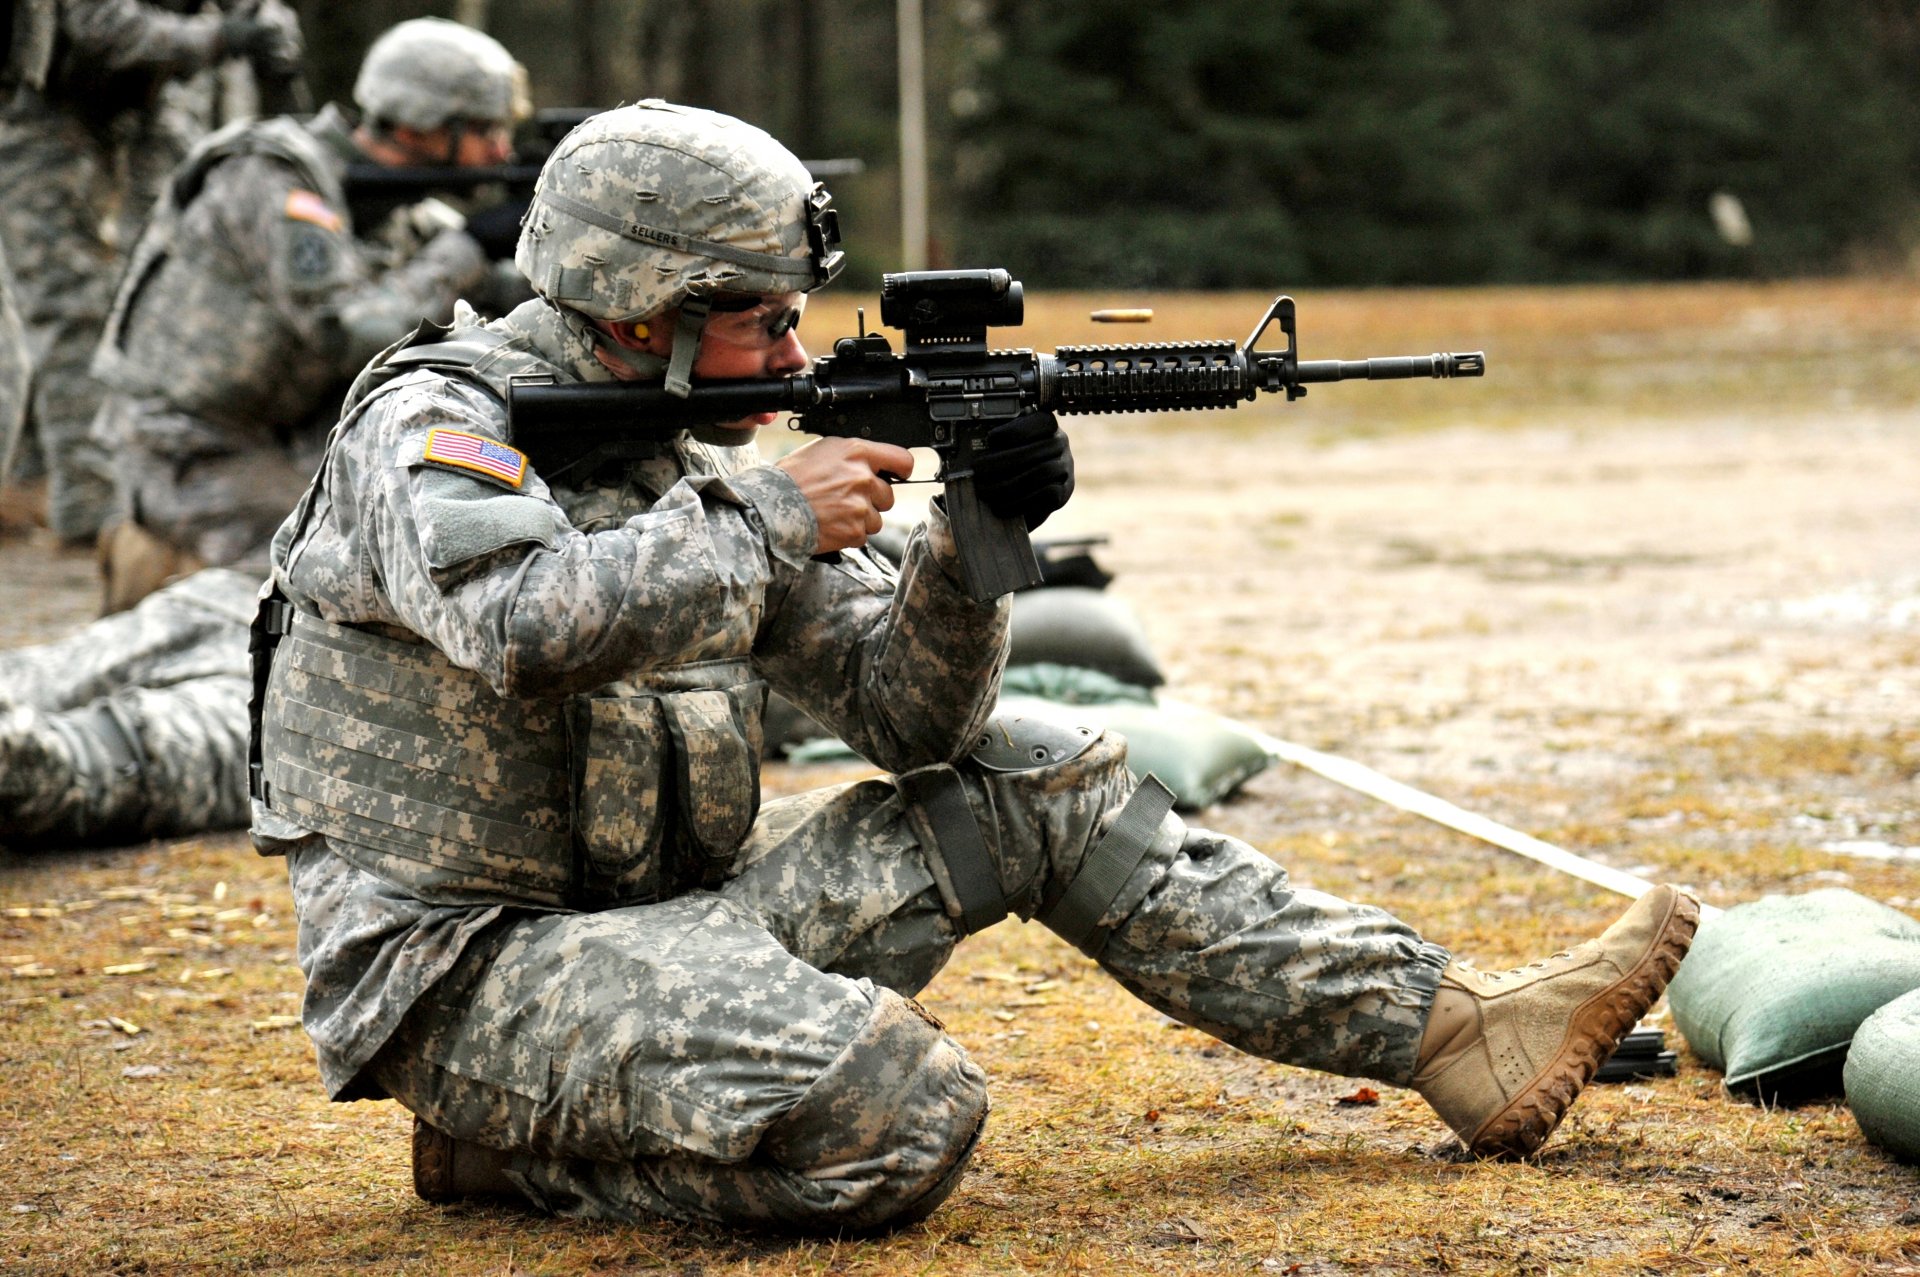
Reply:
x=1365, y=780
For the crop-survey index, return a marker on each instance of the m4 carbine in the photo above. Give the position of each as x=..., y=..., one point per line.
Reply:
x=375, y=190
x=946, y=391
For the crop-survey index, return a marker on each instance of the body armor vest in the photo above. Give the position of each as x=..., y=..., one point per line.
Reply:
x=421, y=774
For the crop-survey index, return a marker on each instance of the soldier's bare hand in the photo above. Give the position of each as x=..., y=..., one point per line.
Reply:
x=842, y=480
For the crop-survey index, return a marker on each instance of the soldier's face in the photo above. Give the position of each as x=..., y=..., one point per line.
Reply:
x=761, y=341
x=753, y=337
x=483, y=143
x=474, y=144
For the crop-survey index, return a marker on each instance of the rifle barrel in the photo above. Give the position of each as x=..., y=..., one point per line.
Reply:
x=1458, y=364
x=365, y=179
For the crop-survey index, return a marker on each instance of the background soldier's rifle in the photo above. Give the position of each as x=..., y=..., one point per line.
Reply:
x=375, y=190
x=946, y=390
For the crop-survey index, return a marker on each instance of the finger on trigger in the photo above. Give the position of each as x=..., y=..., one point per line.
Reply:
x=892, y=460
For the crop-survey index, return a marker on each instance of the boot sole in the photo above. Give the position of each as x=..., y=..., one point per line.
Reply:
x=1597, y=1027
x=432, y=1165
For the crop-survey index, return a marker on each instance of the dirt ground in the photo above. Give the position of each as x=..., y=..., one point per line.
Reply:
x=1651, y=590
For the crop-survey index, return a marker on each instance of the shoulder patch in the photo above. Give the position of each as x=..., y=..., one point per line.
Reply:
x=307, y=206
x=312, y=257
x=477, y=453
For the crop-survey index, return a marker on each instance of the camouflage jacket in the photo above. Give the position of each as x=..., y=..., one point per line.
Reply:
x=252, y=298
x=556, y=588
x=96, y=58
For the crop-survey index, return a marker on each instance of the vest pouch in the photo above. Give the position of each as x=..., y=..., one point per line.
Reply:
x=716, y=776
x=617, y=806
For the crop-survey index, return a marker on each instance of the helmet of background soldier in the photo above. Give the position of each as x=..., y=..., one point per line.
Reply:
x=654, y=206
x=428, y=72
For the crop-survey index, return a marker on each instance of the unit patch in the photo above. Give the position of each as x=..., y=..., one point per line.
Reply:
x=312, y=256
x=476, y=453
x=306, y=206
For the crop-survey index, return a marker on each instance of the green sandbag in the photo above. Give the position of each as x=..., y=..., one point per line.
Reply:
x=1199, y=755
x=1773, y=991
x=1070, y=684
x=1073, y=625
x=1883, y=1077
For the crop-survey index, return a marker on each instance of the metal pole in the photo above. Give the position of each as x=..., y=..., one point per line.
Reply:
x=913, y=136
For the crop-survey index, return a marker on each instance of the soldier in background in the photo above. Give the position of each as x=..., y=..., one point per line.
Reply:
x=250, y=304
x=80, y=83
x=16, y=369
x=509, y=747
x=252, y=298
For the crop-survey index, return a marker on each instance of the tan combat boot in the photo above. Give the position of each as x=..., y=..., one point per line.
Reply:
x=1505, y=1053
x=134, y=563
x=449, y=1170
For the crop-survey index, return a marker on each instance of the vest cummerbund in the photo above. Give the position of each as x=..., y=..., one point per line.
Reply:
x=417, y=771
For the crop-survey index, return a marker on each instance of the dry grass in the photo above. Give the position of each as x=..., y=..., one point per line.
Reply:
x=159, y=1111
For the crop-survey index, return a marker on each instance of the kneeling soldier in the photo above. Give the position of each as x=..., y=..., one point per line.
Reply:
x=509, y=740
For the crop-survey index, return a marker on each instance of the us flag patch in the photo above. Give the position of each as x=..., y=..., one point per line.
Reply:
x=477, y=453
x=305, y=206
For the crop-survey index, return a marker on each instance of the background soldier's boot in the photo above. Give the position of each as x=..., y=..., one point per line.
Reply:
x=1505, y=1053
x=449, y=1170
x=134, y=563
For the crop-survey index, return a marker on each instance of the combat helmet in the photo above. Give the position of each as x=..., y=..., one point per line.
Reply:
x=427, y=72
x=653, y=206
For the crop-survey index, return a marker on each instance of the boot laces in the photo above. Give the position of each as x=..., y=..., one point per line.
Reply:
x=1538, y=964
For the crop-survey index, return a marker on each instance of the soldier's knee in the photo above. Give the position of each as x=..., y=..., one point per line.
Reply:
x=883, y=1136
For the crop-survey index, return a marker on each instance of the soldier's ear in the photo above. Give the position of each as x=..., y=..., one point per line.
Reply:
x=627, y=334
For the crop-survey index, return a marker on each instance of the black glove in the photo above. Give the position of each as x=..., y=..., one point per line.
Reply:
x=249, y=38
x=1027, y=469
x=498, y=228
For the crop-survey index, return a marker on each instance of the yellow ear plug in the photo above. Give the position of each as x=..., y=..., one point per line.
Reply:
x=641, y=332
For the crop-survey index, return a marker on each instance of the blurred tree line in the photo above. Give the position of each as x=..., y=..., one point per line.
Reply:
x=1262, y=143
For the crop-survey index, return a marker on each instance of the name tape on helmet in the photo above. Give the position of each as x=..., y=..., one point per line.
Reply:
x=797, y=266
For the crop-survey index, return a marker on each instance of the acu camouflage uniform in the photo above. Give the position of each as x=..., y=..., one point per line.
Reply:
x=248, y=306
x=134, y=726
x=16, y=369
x=507, y=745
x=80, y=126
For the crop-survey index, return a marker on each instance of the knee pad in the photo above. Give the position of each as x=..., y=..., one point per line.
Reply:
x=1047, y=814
x=957, y=821
x=883, y=1136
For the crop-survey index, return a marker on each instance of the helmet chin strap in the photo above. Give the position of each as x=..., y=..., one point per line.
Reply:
x=686, y=344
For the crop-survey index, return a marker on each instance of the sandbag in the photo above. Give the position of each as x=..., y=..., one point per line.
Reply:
x=1074, y=625
x=1199, y=755
x=785, y=727
x=1070, y=684
x=1773, y=991
x=1883, y=1077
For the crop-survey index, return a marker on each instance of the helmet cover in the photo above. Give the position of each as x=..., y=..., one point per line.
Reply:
x=641, y=207
x=426, y=72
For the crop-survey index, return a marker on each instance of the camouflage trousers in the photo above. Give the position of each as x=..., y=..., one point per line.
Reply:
x=750, y=1055
x=134, y=726
x=220, y=507
x=59, y=222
